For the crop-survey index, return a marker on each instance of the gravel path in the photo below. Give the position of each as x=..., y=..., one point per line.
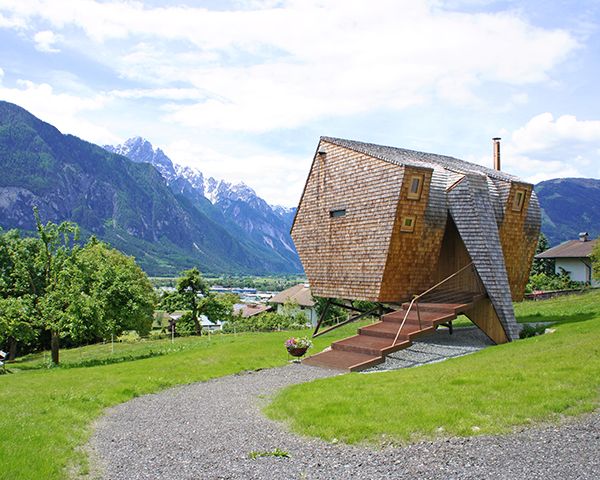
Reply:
x=207, y=430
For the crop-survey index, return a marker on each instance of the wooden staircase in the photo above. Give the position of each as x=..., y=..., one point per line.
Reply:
x=377, y=340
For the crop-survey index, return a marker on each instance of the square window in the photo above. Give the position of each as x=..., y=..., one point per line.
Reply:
x=408, y=224
x=415, y=187
x=518, y=200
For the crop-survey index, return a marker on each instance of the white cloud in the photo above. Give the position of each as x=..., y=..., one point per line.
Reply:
x=1, y=75
x=546, y=148
x=268, y=65
x=64, y=111
x=45, y=40
x=543, y=132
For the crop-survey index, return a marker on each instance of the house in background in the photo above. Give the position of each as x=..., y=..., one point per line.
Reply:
x=247, y=310
x=574, y=257
x=299, y=295
x=385, y=224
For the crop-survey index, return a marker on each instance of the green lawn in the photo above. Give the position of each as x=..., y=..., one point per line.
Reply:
x=45, y=414
x=492, y=391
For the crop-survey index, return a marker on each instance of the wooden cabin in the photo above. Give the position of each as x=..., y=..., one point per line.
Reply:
x=386, y=224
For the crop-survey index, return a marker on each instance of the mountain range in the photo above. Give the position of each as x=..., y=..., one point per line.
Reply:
x=171, y=217
x=569, y=206
x=143, y=207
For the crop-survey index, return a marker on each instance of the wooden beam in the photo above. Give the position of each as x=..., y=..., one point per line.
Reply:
x=484, y=316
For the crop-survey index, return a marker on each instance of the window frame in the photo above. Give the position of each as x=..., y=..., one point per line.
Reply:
x=410, y=195
x=408, y=228
x=337, y=212
x=518, y=200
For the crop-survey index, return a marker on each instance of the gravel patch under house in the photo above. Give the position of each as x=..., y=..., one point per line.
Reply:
x=207, y=430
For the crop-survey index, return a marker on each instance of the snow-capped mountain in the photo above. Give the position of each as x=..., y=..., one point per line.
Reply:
x=235, y=206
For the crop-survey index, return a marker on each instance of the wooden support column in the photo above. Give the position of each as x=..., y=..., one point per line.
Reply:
x=484, y=316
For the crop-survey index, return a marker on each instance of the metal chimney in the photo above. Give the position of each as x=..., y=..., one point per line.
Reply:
x=496, y=153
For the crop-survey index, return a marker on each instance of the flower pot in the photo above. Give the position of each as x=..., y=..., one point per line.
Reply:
x=297, y=351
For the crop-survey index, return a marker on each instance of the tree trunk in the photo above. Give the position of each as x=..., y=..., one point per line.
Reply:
x=54, y=347
x=197, y=324
x=12, y=348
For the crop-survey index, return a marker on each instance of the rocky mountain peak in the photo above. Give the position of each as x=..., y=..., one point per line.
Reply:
x=140, y=150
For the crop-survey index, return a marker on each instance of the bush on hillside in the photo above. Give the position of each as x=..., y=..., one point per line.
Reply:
x=265, y=322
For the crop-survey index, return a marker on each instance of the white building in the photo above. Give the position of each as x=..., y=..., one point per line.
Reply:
x=298, y=294
x=575, y=257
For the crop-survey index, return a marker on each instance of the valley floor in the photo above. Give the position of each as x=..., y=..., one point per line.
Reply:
x=211, y=430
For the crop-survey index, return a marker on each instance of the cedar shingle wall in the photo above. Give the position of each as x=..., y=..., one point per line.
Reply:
x=412, y=256
x=518, y=240
x=345, y=257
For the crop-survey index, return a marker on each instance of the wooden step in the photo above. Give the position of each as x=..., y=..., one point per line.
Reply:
x=390, y=329
x=440, y=307
x=369, y=345
x=341, y=360
x=374, y=341
x=427, y=316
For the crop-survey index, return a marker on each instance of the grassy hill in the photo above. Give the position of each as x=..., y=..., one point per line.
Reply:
x=489, y=392
x=46, y=414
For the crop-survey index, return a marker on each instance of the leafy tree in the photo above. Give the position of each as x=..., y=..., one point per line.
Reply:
x=59, y=304
x=16, y=322
x=190, y=285
x=217, y=308
x=542, y=265
x=119, y=288
x=172, y=301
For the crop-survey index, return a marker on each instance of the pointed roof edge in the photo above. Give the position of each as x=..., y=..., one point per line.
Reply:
x=405, y=157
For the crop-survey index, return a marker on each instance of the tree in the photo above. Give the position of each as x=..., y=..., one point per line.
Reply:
x=119, y=288
x=81, y=293
x=217, y=308
x=190, y=285
x=55, y=306
x=16, y=322
x=172, y=301
x=542, y=265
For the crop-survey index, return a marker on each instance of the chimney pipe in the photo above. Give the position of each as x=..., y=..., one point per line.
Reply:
x=496, y=153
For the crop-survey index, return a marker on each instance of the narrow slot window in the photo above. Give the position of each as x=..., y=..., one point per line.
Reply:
x=408, y=224
x=518, y=200
x=337, y=213
x=415, y=187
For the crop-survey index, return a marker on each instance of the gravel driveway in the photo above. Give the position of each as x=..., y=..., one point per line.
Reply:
x=207, y=430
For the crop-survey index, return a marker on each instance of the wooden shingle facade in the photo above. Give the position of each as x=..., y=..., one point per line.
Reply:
x=383, y=224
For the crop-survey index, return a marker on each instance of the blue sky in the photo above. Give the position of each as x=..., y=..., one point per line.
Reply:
x=242, y=90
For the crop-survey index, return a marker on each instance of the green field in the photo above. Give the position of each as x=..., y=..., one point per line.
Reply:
x=46, y=414
x=534, y=380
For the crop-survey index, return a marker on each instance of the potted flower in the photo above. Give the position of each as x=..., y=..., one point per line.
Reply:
x=297, y=347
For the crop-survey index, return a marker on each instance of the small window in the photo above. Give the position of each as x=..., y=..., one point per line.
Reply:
x=337, y=213
x=408, y=224
x=415, y=187
x=518, y=200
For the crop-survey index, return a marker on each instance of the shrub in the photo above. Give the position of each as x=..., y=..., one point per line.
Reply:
x=530, y=330
x=130, y=336
x=265, y=322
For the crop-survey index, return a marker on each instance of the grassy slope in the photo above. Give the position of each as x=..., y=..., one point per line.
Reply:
x=46, y=414
x=492, y=391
